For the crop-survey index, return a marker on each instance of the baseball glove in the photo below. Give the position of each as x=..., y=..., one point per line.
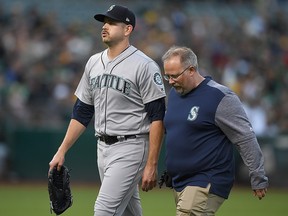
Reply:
x=165, y=178
x=59, y=190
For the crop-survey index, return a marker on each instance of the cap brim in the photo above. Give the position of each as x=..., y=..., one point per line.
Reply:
x=101, y=17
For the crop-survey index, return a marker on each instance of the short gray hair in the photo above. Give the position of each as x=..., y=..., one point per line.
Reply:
x=187, y=56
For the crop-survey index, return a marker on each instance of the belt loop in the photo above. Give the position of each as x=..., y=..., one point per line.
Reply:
x=121, y=138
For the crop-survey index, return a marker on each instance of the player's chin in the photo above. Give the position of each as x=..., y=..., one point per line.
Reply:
x=105, y=39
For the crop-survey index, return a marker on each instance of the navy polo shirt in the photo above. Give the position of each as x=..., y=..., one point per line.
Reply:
x=197, y=150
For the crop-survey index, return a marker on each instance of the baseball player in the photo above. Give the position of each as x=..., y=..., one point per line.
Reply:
x=124, y=89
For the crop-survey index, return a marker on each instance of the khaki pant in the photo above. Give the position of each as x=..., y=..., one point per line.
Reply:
x=196, y=201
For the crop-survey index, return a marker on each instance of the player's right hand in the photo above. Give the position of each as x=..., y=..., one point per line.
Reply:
x=58, y=160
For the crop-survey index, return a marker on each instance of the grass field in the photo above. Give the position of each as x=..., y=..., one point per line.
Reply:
x=32, y=200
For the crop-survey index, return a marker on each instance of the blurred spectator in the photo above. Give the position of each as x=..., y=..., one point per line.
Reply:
x=4, y=154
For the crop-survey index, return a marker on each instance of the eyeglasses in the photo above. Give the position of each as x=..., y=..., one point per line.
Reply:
x=174, y=77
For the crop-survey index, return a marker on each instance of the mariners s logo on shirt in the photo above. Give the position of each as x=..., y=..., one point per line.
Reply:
x=193, y=113
x=157, y=79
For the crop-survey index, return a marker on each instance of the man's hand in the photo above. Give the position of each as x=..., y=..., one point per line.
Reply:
x=57, y=161
x=260, y=193
x=149, y=178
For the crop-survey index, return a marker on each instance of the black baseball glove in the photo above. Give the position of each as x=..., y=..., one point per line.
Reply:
x=165, y=178
x=59, y=190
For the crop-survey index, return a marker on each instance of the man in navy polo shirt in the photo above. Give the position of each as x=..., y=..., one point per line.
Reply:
x=203, y=122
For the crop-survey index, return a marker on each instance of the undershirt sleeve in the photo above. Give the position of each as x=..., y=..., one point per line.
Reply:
x=82, y=112
x=155, y=109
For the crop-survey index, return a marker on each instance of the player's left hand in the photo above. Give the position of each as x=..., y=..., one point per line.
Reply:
x=260, y=193
x=149, y=178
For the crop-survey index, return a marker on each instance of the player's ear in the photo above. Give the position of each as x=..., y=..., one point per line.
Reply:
x=128, y=29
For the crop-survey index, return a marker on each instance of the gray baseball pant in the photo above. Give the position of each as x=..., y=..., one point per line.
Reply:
x=120, y=167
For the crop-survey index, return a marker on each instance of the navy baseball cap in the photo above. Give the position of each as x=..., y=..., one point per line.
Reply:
x=118, y=13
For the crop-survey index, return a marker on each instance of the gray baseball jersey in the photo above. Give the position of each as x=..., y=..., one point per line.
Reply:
x=118, y=89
